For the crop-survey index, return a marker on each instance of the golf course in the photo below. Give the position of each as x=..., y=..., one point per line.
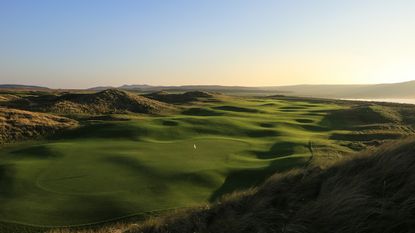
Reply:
x=126, y=165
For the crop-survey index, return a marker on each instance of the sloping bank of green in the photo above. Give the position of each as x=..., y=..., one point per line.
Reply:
x=112, y=169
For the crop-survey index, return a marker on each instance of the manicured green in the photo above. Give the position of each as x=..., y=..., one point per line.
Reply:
x=113, y=169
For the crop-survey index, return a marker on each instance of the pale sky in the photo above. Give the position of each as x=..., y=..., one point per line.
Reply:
x=78, y=43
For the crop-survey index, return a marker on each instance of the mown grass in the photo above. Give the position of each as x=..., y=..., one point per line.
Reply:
x=110, y=169
x=369, y=193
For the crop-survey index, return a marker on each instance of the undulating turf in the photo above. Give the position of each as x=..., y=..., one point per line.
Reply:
x=113, y=169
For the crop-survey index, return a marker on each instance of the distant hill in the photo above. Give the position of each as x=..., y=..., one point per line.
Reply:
x=370, y=91
x=25, y=87
x=404, y=90
x=186, y=88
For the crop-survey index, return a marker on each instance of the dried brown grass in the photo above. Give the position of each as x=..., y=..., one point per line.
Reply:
x=18, y=125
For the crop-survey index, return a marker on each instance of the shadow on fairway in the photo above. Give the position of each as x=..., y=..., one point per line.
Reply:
x=131, y=164
x=7, y=174
x=279, y=149
x=292, y=109
x=245, y=179
x=262, y=133
x=169, y=123
x=201, y=112
x=102, y=130
x=315, y=128
x=94, y=208
x=236, y=109
x=35, y=152
x=304, y=120
x=267, y=124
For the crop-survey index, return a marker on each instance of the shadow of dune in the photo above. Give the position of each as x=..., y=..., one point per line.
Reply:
x=248, y=178
x=304, y=120
x=7, y=174
x=267, y=124
x=94, y=209
x=263, y=133
x=35, y=152
x=169, y=123
x=201, y=112
x=292, y=108
x=131, y=164
x=236, y=109
x=279, y=149
x=101, y=130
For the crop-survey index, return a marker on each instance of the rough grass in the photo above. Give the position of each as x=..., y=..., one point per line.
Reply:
x=16, y=125
x=104, y=102
x=128, y=164
x=373, y=192
x=369, y=192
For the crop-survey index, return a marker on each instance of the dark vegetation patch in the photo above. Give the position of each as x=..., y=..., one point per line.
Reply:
x=236, y=109
x=367, y=194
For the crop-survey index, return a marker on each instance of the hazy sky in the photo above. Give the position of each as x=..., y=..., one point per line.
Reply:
x=84, y=43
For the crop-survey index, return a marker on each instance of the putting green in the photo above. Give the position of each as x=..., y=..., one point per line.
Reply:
x=112, y=169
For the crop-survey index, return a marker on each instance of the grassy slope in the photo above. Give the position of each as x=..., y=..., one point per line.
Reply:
x=371, y=193
x=17, y=125
x=103, y=102
x=117, y=168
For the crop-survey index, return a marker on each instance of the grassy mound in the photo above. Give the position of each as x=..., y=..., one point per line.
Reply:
x=17, y=125
x=369, y=124
x=373, y=193
x=180, y=98
x=363, y=115
x=104, y=102
x=195, y=156
x=108, y=101
x=7, y=97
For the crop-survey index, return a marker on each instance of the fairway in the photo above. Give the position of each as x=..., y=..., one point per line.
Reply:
x=113, y=169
